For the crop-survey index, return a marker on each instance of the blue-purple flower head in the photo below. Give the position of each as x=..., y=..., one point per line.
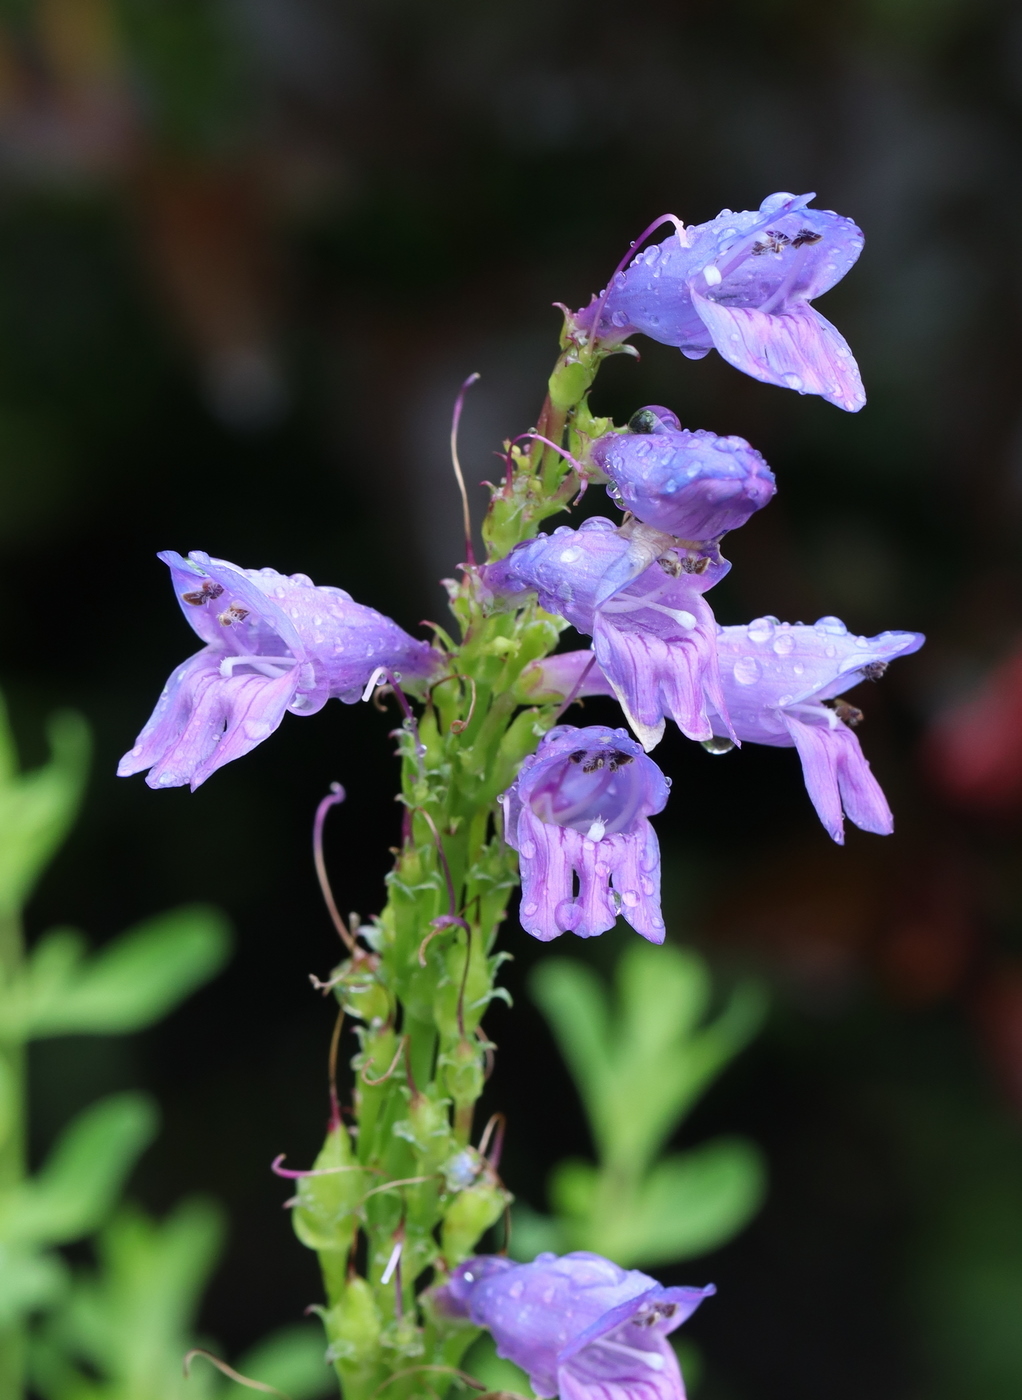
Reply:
x=743, y=284
x=777, y=678
x=639, y=594
x=781, y=682
x=274, y=643
x=694, y=485
x=578, y=1325
x=580, y=807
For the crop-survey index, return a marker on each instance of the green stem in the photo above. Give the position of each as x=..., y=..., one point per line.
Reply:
x=425, y=1196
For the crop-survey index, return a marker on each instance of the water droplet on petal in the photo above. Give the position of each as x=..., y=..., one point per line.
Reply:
x=798, y=668
x=793, y=381
x=717, y=745
x=630, y=898
x=568, y=556
x=761, y=629
x=530, y=909
x=619, y=319
x=784, y=644
x=747, y=670
x=528, y=849
x=834, y=625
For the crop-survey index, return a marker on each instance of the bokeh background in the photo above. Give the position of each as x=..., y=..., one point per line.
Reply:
x=248, y=251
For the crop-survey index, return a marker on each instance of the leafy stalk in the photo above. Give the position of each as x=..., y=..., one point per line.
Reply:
x=405, y=1189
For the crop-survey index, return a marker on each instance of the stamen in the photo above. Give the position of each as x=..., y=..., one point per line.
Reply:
x=784, y=286
x=652, y=1359
x=373, y=681
x=626, y=605
x=266, y=665
x=392, y=1262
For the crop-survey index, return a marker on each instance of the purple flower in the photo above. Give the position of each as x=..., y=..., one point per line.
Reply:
x=743, y=283
x=776, y=678
x=273, y=643
x=638, y=593
x=580, y=807
x=578, y=1325
x=695, y=485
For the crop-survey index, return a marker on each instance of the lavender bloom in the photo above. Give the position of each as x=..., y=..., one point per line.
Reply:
x=638, y=593
x=776, y=677
x=273, y=643
x=743, y=283
x=580, y=805
x=578, y=1325
x=695, y=485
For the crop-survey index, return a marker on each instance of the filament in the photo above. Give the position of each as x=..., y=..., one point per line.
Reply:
x=632, y=251
x=231, y=1373
x=652, y=1359
x=459, y=403
x=335, y=796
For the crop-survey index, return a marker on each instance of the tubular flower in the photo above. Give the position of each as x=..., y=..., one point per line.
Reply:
x=273, y=643
x=777, y=678
x=743, y=284
x=639, y=594
x=695, y=485
x=580, y=806
x=578, y=1325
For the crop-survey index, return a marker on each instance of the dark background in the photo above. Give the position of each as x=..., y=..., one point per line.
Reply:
x=248, y=252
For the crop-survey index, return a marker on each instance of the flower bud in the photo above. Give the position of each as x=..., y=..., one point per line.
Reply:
x=353, y=1329
x=471, y=1214
x=462, y=1071
x=359, y=991
x=428, y=1129
x=694, y=485
x=323, y=1215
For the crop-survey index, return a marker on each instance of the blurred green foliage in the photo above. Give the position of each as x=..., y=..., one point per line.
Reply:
x=117, y=1331
x=640, y=1064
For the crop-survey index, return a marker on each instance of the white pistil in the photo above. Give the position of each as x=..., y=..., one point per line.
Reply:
x=373, y=681
x=712, y=275
x=596, y=831
x=652, y=1359
x=266, y=665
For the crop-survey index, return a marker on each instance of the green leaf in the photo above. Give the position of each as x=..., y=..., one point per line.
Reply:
x=574, y=1001
x=37, y=808
x=294, y=1360
x=132, y=982
x=28, y=1281
x=8, y=1100
x=639, y=1070
x=690, y=1203
x=82, y=1177
x=130, y=1322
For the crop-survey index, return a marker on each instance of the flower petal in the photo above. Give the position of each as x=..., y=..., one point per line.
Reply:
x=836, y=773
x=796, y=348
x=170, y=716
